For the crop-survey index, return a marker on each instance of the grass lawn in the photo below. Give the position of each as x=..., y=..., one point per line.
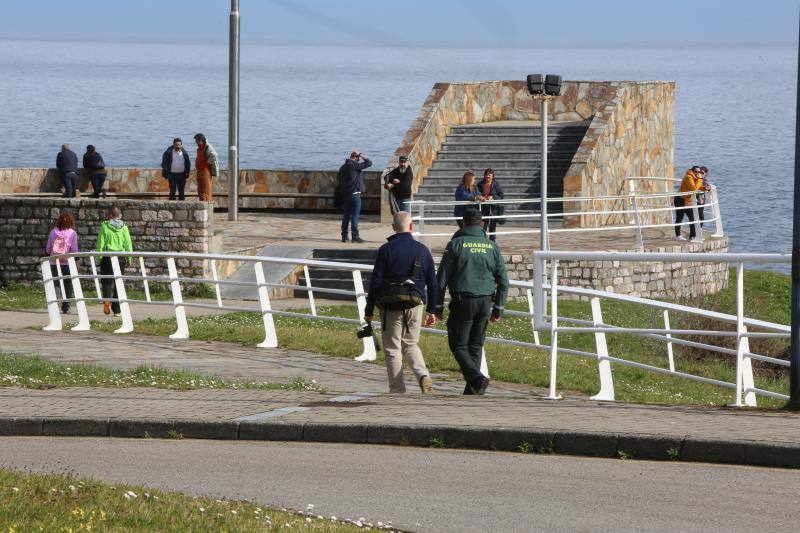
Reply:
x=38, y=373
x=33, y=502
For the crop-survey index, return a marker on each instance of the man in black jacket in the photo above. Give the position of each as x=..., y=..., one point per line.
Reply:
x=397, y=263
x=349, y=187
x=175, y=167
x=67, y=163
x=398, y=183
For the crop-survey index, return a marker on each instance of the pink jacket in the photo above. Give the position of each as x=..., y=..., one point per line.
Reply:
x=71, y=237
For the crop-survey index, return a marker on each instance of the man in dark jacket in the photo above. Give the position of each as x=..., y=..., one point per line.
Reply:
x=175, y=167
x=398, y=182
x=396, y=263
x=474, y=271
x=349, y=187
x=67, y=163
x=95, y=169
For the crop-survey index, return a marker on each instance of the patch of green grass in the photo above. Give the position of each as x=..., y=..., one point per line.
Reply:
x=437, y=442
x=526, y=447
x=34, y=502
x=39, y=373
x=14, y=296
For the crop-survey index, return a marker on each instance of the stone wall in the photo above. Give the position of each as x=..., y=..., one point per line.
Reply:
x=25, y=224
x=258, y=189
x=630, y=134
x=672, y=281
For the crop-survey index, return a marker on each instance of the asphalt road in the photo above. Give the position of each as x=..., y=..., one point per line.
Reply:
x=437, y=490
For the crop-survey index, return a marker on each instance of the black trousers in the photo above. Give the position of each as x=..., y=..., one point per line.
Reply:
x=682, y=211
x=466, y=331
x=177, y=182
x=67, y=285
x=97, y=184
x=108, y=285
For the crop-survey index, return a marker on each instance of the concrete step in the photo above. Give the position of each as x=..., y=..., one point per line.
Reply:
x=552, y=129
x=479, y=164
x=345, y=255
x=491, y=147
x=530, y=173
x=478, y=155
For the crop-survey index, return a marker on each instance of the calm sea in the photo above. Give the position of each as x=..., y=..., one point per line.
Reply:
x=306, y=107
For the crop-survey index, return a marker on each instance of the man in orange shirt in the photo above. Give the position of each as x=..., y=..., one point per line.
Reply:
x=207, y=165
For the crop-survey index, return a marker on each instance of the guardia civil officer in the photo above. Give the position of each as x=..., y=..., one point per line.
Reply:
x=475, y=273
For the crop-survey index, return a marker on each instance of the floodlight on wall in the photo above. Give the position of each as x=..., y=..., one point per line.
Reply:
x=535, y=84
x=552, y=85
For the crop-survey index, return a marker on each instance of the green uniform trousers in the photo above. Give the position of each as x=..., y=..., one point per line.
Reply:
x=466, y=331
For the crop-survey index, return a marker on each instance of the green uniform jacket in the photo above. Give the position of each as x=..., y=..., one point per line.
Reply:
x=472, y=265
x=111, y=239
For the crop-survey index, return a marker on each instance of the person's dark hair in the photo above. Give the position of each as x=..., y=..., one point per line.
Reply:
x=65, y=220
x=200, y=137
x=177, y=140
x=90, y=148
x=704, y=169
x=488, y=171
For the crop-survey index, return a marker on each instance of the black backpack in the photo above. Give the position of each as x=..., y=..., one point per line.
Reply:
x=401, y=295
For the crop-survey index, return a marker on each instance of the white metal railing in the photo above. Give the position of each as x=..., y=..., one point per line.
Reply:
x=662, y=204
x=535, y=292
x=555, y=323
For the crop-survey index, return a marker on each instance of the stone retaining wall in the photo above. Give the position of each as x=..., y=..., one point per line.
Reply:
x=25, y=224
x=258, y=189
x=674, y=281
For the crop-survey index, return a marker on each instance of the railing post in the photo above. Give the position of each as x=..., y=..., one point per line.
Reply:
x=739, y=331
x=715, y=210
x=698, y=229
x=532, y=311
x=553, y=329
x=311, y=303
x=122, y=296
x=270, y=335
x=369, y=353
x=60, y=275
x=421, y=221
x=747, y=372
x=98, y=290
x=143, y=271
x=636, y=220
x=603, y=364
x=182, y=330
x=670, y=357
x=51, y=298
x=83, y=316
x=215, y=277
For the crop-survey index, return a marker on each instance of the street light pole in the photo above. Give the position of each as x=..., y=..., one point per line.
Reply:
x=233, y=113
x=794, y=370
x=544, y=240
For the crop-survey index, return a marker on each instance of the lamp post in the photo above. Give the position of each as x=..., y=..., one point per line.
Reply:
x=233, y=113
x=544, y=89
x=794, y=369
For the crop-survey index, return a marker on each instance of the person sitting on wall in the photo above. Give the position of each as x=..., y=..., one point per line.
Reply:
x=175, y=167
x=398, y=182
x=466, y=191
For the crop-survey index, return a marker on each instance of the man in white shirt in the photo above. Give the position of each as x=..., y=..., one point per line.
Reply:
x=175, y=167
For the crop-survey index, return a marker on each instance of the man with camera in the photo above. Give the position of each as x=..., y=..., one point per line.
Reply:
x=403, y=281
x=398, y=182
x=350, y=185
x=474, y=271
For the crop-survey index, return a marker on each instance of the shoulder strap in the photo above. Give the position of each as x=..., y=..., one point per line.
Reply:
x=415, y=268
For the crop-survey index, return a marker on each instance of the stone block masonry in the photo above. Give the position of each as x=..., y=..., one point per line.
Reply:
x=155, y=227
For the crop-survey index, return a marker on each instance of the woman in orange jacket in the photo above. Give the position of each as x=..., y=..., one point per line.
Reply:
x=691, y=184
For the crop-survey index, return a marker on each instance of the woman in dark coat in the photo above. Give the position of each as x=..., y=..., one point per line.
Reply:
x=465, y=192
x=490, y=189
x=95, y=169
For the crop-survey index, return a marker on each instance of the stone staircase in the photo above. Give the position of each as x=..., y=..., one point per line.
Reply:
x=332, y=278
x=514, y=152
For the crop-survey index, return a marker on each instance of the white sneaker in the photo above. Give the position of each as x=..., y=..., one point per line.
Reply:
x=680, y=238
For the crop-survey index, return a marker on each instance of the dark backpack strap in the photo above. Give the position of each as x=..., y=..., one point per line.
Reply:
x=415, y=268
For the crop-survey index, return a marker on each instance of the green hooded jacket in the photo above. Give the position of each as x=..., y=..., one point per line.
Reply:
x=472, y=264
x=114, y=237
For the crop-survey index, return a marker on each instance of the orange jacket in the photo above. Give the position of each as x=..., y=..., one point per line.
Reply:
x=690, y=184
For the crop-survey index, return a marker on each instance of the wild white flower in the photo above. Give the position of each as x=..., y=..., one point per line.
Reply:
x=202, y=509
x=233, y=511
x=308, y=520
x=130, y=494
x=72, y=488
x=15, y=489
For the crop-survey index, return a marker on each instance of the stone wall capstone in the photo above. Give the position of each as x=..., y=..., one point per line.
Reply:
x=25, y=224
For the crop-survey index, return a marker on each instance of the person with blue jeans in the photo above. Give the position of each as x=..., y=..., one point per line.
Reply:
x=350, y=185
x=398, y=182
x=67, y=163
x=175, y=167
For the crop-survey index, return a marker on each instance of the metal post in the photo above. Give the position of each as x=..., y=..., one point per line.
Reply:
x=233, y=113
x=544, y=240
x=421, y=222
x=794, y=370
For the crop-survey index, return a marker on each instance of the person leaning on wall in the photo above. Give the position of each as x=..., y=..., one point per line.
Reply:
x=95, y=168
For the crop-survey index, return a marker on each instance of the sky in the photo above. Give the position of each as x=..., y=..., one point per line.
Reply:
x=457, y=23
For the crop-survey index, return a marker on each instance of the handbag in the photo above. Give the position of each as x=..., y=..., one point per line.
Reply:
x=500, y=210
x=401, y=295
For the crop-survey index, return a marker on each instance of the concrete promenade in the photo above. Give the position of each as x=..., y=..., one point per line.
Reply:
x=355, y=407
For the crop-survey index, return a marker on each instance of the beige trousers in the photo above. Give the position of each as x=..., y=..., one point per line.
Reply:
x=400, y=338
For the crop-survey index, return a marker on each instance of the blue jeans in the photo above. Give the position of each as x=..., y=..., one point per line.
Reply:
x=177, y=181
x=97, y=184
x=70, y=182
x=352, y=210
x=404, y=204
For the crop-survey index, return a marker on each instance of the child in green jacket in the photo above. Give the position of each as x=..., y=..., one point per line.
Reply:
x=113, y=237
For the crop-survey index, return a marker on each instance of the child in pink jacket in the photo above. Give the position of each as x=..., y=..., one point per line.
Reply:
x=62, y=240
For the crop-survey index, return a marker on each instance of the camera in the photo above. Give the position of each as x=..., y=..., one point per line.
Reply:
x=367, y=331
